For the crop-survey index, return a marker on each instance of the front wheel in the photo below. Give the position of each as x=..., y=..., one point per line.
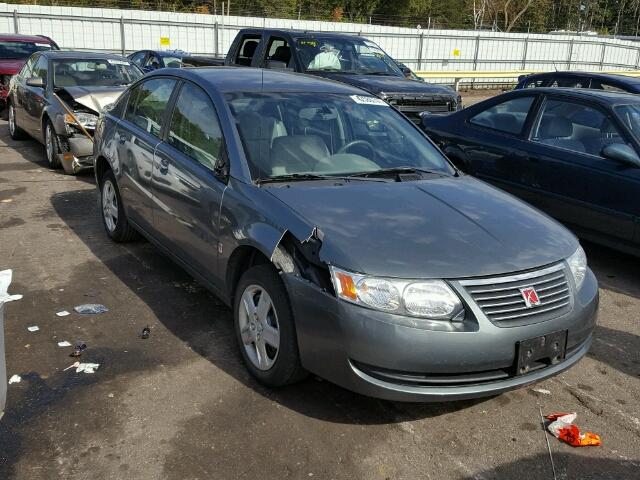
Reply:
x=51, y=145
x=113, y=217
x=16, y=132
x=265, y=328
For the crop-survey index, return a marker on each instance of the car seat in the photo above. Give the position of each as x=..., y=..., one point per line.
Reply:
x=248, y=50
x=258, y=133
x=297, y=153
x=558, y=132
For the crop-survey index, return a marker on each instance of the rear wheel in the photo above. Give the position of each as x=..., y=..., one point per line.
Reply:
x=265, y=328
x=16, y=132
x=113, y=217
x=51, y=145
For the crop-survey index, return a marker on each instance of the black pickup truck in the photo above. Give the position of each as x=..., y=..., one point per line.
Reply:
x=344, y=58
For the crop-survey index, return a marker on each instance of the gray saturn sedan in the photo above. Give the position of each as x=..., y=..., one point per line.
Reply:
x=345, y=242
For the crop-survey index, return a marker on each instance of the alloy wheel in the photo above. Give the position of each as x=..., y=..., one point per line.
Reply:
x=12, y=120
x=259, y=328
x=48, y=143
x=109, y=205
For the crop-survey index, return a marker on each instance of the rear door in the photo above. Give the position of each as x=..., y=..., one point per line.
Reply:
x=186, y=188
x=494, y=145
x=35, y=99
x=20, y=92
x=576, y=184
x=246, y=50
x=138, y=134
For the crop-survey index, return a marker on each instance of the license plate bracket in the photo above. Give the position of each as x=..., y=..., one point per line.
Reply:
x=540, y=352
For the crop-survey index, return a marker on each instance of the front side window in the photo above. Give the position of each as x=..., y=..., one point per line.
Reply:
x=346, y=55
x=21, y=50
x=630, y=116
x=147, y=104
x=575, y=126
x=138, y=58
x=40, y=69
x=103, y=72
x=328, y=134
x=28, y=67
x=194, y=129
x=507, y=117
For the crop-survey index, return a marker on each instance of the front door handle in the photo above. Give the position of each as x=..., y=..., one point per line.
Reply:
x=164, y=166
x=122, y=139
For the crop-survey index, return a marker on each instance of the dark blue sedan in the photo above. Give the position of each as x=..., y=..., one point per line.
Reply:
x=574, y=79
x=573, y=153
x=150, y=60
x=344, y=241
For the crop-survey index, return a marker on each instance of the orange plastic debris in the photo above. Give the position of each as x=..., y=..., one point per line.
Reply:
x=562, y=427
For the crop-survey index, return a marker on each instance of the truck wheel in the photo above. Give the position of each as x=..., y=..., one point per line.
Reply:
x=113, y=216
x=265, y=328
x=51, y=145
x=16, y=132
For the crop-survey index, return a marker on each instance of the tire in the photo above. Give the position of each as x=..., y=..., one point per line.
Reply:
x=112, y=211
x=51, y=146
x=276, y=366
x=16, y=132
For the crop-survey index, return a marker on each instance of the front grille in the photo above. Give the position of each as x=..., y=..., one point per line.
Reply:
x=412, y=107
x=502, y=301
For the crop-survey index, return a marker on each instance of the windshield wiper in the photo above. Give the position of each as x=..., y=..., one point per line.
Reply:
x=388, y=74
x=397, y=171
x=300, y=177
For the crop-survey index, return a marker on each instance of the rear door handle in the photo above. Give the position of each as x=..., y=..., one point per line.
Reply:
x=164, y=166
x=122, y=139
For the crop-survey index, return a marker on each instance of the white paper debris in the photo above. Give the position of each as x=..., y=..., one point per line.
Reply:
x=91, y=308
x=64, y=344
x=5, y=281
x=83, y=367
x=543, y=391
x=33, y=328
x=62, y=313
x=15, y=379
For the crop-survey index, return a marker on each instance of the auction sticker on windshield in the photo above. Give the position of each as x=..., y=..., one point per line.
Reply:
x=365, y=100
x=117, y=62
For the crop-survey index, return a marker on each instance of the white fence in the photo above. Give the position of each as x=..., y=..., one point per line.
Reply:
x=436, y=50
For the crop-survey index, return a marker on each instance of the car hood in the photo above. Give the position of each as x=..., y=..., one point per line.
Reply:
x=452, y=227
x=95, y=98
x=10, y=66
x=378, y=84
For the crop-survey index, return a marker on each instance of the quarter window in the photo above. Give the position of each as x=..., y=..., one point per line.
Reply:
x=248, y=46
x=576, y=127
x=195, y=130
x=508, y=117
x=147, y=104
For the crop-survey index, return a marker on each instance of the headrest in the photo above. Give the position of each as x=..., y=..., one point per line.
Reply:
x=249, y=48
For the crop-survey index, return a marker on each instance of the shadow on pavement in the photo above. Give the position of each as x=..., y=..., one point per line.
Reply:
x=205, y=325
x=616, y=271
x=586, y=466
x=618, y=349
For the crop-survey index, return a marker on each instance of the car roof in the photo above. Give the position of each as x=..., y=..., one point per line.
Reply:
x=602, y=96
x=600, y=76
x=310, y=33
x=81, y=55
x=25, y=38
x=244, y=79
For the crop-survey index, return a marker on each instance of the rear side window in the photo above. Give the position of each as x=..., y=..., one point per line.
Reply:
x=507, y=117
x=194, y=129
x=607, y=87
x=246, y=51
x=147, y=104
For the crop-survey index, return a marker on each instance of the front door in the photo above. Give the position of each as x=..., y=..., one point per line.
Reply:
x=186, y=190
x=577, y=184
x=138, y=135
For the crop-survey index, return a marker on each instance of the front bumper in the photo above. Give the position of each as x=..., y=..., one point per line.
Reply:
x=351, y=345
x=77, y=153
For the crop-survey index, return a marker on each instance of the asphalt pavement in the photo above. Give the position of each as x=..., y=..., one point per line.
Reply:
x=180, y=404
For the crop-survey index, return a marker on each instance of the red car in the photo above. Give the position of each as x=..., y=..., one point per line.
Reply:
x=14, y=52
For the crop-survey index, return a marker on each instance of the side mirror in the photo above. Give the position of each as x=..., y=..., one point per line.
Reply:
x=622, y=153
x=221, y=167
x=35, y=82
x=277, y=64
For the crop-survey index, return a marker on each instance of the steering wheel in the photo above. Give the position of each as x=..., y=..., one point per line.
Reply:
x=354, y=143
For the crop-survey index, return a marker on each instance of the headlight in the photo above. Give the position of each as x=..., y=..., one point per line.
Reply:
x=578, y=265
x=432, y=299
x=87, y=120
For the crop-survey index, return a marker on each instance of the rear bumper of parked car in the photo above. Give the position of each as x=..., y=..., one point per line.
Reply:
x=367, y=352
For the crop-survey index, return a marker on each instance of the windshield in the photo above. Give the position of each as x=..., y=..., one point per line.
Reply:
x=20, y=50
x=344, y=55
x=328, y=134
x=630, y=116
x=94, y=72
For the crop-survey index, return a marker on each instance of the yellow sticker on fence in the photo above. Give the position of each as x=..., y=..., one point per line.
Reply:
x=456, y=52
x=165, y=41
